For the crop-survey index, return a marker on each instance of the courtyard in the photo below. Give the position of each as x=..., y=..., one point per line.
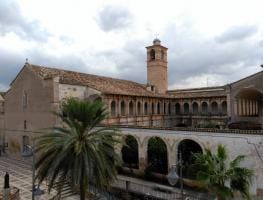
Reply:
x=21, y=177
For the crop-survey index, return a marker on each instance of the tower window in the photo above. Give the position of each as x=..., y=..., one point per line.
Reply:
x=152, y=54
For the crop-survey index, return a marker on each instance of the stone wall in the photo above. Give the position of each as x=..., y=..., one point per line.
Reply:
x=28, y=106
x=237, y=144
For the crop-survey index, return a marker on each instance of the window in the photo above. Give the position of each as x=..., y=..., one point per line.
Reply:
x=131, y=109
x=122, y=108
x=25, y=100
x=195, y=108
x=139, y=108
x=214, y=107
x=224, y=107
x=153, y=111
x=25, y=125
x=158, y=108
x=169, y=108
x=145, y=108
x=113, y=109
x=186, y=108
x=177, y=109
x=204, y=108
x=152, y=54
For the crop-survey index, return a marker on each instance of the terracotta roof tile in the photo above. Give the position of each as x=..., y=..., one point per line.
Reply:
x=104, y=84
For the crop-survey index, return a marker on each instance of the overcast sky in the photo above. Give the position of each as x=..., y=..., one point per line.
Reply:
x=210, y=42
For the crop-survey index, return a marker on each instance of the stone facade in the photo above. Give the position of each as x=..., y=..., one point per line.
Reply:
x=236, y=144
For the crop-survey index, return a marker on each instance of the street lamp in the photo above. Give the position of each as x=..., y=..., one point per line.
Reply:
x=28, y=153
x=173, y=177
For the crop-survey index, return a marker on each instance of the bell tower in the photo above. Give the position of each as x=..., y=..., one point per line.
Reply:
x=157, y=67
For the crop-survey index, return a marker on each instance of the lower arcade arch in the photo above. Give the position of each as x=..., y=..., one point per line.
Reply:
x=187, y=148
x=157, y=155
x=129, y=152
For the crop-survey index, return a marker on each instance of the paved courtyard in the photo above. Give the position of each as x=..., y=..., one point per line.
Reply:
x=21, y=177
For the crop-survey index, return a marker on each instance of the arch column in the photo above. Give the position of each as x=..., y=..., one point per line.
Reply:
x=172, y=156
x=142, y=153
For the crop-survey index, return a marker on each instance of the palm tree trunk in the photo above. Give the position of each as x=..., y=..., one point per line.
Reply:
x=82, y=189
x=82, y=185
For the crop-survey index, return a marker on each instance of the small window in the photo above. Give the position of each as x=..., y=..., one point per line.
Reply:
x=25, y=125
x=25, y=100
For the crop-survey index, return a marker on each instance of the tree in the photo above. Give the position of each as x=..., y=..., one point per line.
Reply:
x=130, y=152
x=78, y=152
x=157, y=155
x=219, y=177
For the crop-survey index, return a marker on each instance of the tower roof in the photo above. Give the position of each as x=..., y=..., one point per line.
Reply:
x=156, y=41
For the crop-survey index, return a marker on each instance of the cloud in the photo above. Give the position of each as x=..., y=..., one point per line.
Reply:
x=193, y=58
x=112, y=18
x=237, y=33
x=12, y=62
x=12, y=20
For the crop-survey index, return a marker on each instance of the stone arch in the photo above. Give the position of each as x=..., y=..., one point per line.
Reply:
x=158, y=108
x=130, y=152
x=145, y=108
x=153, y=110
x=139, y=108
x=157, y=154
x=113, y=108
x=123, y=108
x=224, y=107
x=186, y=148
x=214, y=107
x=169, y=108
x=204, y=107
x=177, y=109
x=131, y=108
x=186, y=108
x=195, y=108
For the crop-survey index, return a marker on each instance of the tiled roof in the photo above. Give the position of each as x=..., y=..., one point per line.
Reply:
x=199, y=92
x=104, y=84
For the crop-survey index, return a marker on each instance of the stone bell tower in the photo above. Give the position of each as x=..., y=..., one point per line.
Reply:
x=157, y=67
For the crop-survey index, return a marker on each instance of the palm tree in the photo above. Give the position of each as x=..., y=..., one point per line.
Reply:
x=218, y=177
x=78, y=152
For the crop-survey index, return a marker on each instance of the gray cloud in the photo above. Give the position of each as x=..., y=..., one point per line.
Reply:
x=11, y=63
x=112, y=18
x=193, y=56
x=190, y=57
x=237, y=33
x=12, y=20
